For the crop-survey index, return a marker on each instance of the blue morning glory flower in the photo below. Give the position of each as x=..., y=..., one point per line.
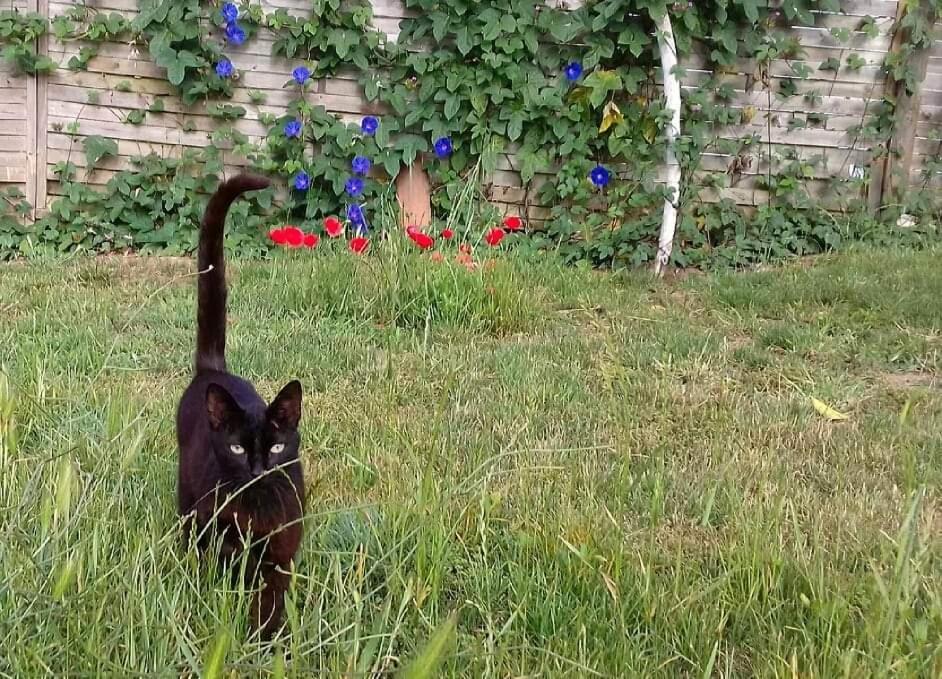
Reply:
x=302, y=181
x=573, y=71
x=356, y=217
x=600, y=176
x=354, y=186
x=229, y=12
x=369, y=125
x=301, y=75
x=235, y=34
x=224, y=68
x=443, y=147
x=293, y=129
x=360, y=165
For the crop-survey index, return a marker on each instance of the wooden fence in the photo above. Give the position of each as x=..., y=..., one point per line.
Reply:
x=927, y=145
x=37, y=112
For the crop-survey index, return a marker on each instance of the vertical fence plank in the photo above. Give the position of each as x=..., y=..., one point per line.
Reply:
x=39, y=118
x=33, y=168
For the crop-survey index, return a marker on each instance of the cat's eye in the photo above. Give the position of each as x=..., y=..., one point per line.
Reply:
x=277, y=448
x=237, y=449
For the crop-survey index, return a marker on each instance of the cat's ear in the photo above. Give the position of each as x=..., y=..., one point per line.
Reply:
x=285, y=411
x=221, y=408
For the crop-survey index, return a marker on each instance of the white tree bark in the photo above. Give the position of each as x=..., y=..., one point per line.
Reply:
x=668, y=50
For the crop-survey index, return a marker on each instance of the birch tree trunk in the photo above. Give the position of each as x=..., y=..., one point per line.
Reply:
x=668, y=50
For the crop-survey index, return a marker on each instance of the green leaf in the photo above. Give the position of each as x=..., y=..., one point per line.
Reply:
x=160, y=49
x=562, y=28
x=515, y=126
x=463, y=41
x=97, y=148
x=478, y=102
x=371, y=89
x=531, y=163
x=391, y=164
x=176, y=72
x=601, y=83
x=489, y=20
x=751, y=8
x=634, y=39
x=410, y=145
x=800, y=69
x=855, y=62
x=44, y=65
x=532, y=41
x=187, y=58
x=439, y=25
x=451, y=107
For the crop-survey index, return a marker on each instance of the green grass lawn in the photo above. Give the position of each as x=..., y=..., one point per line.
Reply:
x=604, y=475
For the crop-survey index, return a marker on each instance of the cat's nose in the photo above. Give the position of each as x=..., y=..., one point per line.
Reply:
x=257, y=468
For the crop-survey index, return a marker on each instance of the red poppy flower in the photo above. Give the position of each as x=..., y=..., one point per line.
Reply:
x=359, y=244
x=423, y=240
x=411, y=229
x=277, y=236
x=464, y=248
x=310, y=240
x=333, y=227
x=294, y=236
x=448, y=234
x=494, y=237
x=513, y=223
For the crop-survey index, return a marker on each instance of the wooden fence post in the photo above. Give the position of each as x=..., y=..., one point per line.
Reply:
x=32, y=80
x=890, y=178
x=40, y=121
x=36, y=118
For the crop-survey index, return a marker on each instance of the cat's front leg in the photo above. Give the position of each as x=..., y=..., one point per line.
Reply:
x=269, y=602
x=277, y=563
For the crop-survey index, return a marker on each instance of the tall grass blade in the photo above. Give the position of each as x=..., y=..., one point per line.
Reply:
x=430, y=658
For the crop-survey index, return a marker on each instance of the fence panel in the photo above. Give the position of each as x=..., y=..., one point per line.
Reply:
x=927, y=147
x=45, y=119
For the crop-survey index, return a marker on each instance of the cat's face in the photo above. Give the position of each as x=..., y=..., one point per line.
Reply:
x=248, y=446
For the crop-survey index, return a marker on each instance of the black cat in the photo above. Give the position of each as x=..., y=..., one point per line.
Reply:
x=239, y=475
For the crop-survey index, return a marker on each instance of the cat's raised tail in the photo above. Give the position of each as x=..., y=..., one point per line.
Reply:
x=211, y=282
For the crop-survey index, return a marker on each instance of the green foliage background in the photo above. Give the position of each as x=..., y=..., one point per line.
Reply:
x=487, y=75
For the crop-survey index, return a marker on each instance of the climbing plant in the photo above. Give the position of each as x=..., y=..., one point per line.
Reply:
x=19, y=32
x=567, y=99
